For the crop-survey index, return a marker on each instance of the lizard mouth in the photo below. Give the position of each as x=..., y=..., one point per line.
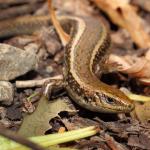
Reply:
x=113, y=110
x=124, y=109
x=118, y=109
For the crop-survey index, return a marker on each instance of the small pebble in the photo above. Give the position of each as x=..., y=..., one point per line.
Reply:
x=6, y=93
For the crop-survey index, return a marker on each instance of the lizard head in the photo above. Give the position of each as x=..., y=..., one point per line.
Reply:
x=113, y=100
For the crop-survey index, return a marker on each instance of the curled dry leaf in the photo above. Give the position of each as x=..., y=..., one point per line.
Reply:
x=142, y=112
x=124, y=14
x=138, y=67
x=144, y=4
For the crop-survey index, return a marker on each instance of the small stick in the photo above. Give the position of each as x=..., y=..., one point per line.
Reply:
x=36, y=83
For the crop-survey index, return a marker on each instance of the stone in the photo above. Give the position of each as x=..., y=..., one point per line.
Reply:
x=6, y=93
x=15, y=62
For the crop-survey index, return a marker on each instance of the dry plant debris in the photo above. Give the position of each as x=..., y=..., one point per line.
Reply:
x=124, y=14
x=142, y=112
x=138, y=67
x=39, y=119
x=129, y=131
x=144, y=4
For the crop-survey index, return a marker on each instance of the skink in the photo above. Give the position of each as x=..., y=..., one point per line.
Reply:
x=88, y=45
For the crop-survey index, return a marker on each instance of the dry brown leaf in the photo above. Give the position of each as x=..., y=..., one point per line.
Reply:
x=140, y=141
x=114, y=145
x=124, y=14
x=138, y=67
x=144, y=4
x=142, y=111
x=75, y=7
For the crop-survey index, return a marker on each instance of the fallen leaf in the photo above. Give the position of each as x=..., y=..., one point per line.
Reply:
x=114, y=145
x=124, y=14
x=142, y=111
x=132, y=65
x=76, y=7
x=37, y=123
x=144, y=4
x=139, y=141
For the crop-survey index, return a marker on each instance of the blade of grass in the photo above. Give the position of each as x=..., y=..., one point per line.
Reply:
x=53, y=139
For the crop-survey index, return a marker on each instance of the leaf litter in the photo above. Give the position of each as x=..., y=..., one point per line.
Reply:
x=124, y=131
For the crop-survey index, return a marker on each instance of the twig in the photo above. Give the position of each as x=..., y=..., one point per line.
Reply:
x=36, y=83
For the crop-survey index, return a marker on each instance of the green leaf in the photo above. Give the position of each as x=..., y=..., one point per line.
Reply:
x=37, y=123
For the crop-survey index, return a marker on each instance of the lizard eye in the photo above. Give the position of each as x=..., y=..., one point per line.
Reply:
x=110, y=100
